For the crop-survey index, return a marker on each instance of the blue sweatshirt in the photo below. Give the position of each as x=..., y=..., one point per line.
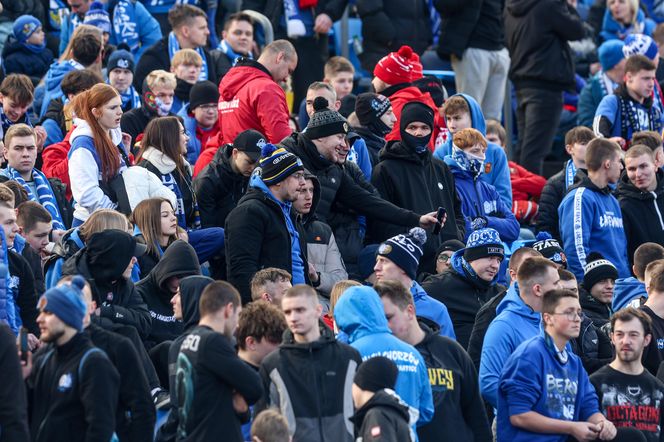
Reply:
x=496, y=170
x=53, y=79
x=515, y=323
x=627, y=290
x=535, y=379
x=431, y=308
x=360, y=315
x=590, y=220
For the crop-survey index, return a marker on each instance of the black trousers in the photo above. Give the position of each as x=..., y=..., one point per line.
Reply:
x=538, y=115
x=312, y=53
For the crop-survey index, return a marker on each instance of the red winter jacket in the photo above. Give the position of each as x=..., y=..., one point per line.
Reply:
x=55, y=163
x=250, y=99
x=406, y=95
x=525, y=185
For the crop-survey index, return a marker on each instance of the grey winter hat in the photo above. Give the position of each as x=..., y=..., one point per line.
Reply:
x=325, y=121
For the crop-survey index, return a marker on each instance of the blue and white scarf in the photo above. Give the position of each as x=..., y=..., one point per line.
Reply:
x=231, y=54
x=468, y=162
x=45, y=195
x=570, y=172
x=130, y=95
x=6, y=123
x=174, y=46
x=169, y=181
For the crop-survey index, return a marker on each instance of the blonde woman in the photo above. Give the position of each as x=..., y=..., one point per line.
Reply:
x=624, y=17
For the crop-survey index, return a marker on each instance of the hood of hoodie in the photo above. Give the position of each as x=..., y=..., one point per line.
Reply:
x=520, y=7
x=243, y=72
x=385, y=398
x=360, y=313
x=513, y=303
x=311, y=216
x=628, y=190
x=191, y=288
x=581, y=179
x=82, y=128
x=69, y=244
x=180, y=260
x=222, y=160
x=182, y=89
x=397, y=150
x=626, y=290
x=161, y=161
x=590, y=304
x=56, y=73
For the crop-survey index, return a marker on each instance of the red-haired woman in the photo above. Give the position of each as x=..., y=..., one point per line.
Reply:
x=97, y=154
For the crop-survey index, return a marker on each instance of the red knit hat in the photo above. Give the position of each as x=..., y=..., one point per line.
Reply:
x=417, y=69
x=395, y=67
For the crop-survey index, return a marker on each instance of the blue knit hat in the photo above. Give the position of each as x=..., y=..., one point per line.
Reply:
x=610, y=53
x=483, y=243
x=97, y=16
x=640, y=44
x=277, y=164
x=122, y=59
x=405, y=250
x=25, y=26
x=66, y=302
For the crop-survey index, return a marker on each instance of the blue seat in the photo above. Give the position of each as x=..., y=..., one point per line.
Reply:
x=354, y=34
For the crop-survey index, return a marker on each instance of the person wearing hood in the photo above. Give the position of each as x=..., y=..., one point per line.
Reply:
x=262, y=231
x=641, y=196
x=376, y=117
x=459, y=412
x=379, y=411
x=250, y=96
x=631, y=108
x=598, y=220
x=397, y=260
x=25, y=50
x=106, y=263
x=156, y=101
x=326, y=267
x=221, y=185
x=159, y=287
x=199, y=117
x=622, y=18
x=308, y=377
x=481, y=204
x=464, y=112
x=470, y=282
x=409, y=177
x=518, y=320
x=360, y=316
x=596, y=294
x=631, y=292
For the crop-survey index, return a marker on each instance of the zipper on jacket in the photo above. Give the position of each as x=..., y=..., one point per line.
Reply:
x=318, y=411
x=659, y=214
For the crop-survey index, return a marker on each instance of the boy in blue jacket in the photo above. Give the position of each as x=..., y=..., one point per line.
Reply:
x=544, y=392
x=590, y=215
x=463, y=112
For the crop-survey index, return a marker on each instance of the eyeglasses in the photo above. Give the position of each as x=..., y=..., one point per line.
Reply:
x=571, y=316
x=211, y=106
x=443, y=258
x=298, y=176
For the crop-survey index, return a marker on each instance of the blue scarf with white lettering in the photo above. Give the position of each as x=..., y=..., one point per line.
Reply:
x=231, y=54
x=45, y=195
x=130, y=95
x=174, y=46
x=570, y=172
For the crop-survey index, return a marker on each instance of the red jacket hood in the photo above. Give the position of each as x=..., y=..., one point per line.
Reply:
x=237, y=78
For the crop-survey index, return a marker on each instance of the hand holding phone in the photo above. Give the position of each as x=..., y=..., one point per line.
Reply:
x=439, y=217
x=23, y=344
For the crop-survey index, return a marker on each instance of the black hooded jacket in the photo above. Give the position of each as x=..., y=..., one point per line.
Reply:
x=374, y=143
x=219, y=188
x=421, y=183
x=179, y=261
x=597, y=312
x=385, y=415
x=643, y=213
x=116, y=296
x=135, y=417
x=459, y=410
x=537, y=34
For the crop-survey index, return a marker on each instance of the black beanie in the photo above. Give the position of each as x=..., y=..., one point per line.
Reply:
x=369, y=107
x=597, y=268
x=376, y=374
x=203, y=92
x=415, y=111
x=325, y=122
x=550, y=249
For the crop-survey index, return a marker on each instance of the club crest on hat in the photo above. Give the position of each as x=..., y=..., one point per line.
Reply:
x=260, y=143
x=123, y=63
x=345, y=127
x=384, y=249
x=28, y=28
x=65, y=382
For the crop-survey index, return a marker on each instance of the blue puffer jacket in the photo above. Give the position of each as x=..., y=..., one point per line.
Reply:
x=627, y=290
x=481, y=199
x=8, y=313
x=360, y=315
x=496, y=170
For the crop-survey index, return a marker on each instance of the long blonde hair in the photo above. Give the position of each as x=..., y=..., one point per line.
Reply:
x=103, y=219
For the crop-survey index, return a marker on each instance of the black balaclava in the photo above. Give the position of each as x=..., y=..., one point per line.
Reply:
x=416, y=112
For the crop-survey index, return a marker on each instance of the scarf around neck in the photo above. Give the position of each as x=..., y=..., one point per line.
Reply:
x=174, y=46
x=45, y=195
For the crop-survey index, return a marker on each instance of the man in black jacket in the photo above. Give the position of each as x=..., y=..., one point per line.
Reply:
x=410, y=177
x=472, y=35
x=541, y=69
x=74, y=386
x=262, y=231
x=224, y=181
x=209, y=373
x=459, y=413
x=190, y=30
x=641, y=196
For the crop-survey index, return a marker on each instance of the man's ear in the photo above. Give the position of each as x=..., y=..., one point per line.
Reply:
x=337, y=105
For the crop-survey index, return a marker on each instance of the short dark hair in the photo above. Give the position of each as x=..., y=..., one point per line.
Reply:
x=551, y=299
x=598, y=151
x=216, y=296
x=237, y=16
x=638, y=62
x=18, y=87
x=580, y=135
x=264, y=276
x=396, y=292
x=533, y=268
x=494, y=127
x=29, y=213
x=20, y=194
x=566, y=275
x=520, y=254
x=301, y=290
x=627, y=314
x=656, y=271
x=644, y=255
x=181, y=15
x=648, y=138
x=260, y=320
x=86, y=48
x=76, y=81
x=7, y=195
x=270, y=426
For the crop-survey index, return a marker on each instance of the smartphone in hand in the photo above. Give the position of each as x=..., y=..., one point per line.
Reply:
x=23, y=344
x=439, y=217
